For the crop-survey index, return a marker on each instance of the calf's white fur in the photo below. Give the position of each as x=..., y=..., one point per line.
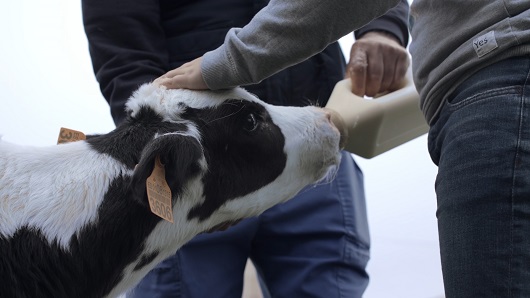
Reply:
x=74, y=218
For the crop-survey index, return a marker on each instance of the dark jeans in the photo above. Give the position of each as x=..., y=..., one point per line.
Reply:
x=481, y=144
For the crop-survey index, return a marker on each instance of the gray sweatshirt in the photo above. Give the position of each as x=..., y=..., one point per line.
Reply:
x=282, y=34
x=452, y=39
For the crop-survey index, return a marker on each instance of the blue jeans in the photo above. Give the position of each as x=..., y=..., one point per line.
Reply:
x=481, y=144
x=315, y=245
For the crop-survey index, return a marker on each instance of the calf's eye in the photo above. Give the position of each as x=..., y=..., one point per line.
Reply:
x=250, y=123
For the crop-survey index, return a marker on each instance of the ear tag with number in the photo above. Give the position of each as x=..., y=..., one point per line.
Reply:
x=67, y=135
x=159, y=193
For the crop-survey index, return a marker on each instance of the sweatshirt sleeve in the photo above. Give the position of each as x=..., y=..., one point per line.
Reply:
x=127, y=47
x=395, y=22
x=282, y=34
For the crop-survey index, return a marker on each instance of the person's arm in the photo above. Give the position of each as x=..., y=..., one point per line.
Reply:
x=282, y=34
x=127, y=47
x=379, y=59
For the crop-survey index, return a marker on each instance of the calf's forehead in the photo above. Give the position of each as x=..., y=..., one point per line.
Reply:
x=170, y=103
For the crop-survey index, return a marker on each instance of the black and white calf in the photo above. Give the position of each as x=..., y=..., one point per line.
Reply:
x=75, y=219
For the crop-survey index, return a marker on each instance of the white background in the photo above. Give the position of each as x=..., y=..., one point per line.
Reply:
x=46, y=81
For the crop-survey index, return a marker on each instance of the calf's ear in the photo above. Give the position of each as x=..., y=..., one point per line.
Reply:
x=180, y=156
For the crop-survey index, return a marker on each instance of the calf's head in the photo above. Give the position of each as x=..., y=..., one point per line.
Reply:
x=229, y=155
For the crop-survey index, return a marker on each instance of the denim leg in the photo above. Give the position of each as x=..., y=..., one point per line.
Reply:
x=317, y=244
x=210, y=265
x=481, y=144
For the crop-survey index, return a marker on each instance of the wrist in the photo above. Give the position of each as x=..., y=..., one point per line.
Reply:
x=376, y=34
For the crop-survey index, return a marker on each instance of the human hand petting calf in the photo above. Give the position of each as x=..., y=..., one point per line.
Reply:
x=187, y=76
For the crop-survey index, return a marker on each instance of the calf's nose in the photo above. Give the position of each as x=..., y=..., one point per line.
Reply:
x=336, y=120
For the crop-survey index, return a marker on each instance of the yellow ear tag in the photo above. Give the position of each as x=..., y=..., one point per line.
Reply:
x=67, y=135
x=159, y=193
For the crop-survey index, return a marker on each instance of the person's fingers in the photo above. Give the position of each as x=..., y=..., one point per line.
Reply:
x=400, y=70
x=388, y=76
x=375, y=73
x=188, y=76
x=174, y=82
x=357, y=71
x=183, y=81
x=158, y=81
x=178, y=71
